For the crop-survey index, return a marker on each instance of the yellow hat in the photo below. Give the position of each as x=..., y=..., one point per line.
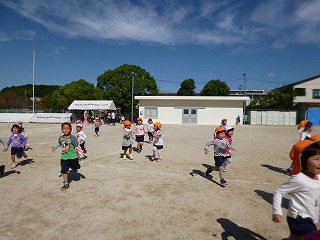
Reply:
x=158, y=124
x=296, y=151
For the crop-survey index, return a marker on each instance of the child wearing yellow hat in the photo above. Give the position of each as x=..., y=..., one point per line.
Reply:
x=158, y=142
x=220, y=153
x=304, y=187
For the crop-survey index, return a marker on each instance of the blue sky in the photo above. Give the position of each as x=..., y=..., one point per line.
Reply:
x=274, y=42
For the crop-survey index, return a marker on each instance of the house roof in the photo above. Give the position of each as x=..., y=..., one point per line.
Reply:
x=194, y=98
x=303, y=81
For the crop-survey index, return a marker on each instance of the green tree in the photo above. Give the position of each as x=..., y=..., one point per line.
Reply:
x=187, y=88
x=215, y=88
x=280, y=98
x=117, y=85
x=65, y=95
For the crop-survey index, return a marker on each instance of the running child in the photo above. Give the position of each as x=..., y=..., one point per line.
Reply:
x=69, y=157
x=158, y=142
x=127, y=144
x=24, y=133
x=97, y=125
x=224, y=123
x=139, y=131
x=220, y=153
x=150, y=128
x=306, y=132
x=304, y=187
x=18, y=142
x=229, y=134
x=81, y=136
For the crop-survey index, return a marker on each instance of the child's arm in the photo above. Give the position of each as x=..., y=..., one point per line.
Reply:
x=74, y=141
x=56, y=146
x=289, y=187
x=206, y=150
x=8, y=144
x=24, y=140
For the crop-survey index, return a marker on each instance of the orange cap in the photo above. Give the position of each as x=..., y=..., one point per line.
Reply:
x=296, y=151
x=302, y=124
x=139, y=119
x=158, y=124
x=219, y=129
x=126, y=123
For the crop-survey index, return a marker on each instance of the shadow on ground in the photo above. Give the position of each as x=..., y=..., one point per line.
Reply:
x=275, y=169
x=268, y=197
x=239, y=233
x=75, y=176
x=202, y=174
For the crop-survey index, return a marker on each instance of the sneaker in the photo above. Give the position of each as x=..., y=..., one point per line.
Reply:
x=223, y=182
x=130, y=157
x=124, y=157
x=2, y=169
x=224, y=170
x=65, y=187
x=13, y=165
x=159, y=159
x=25, y=156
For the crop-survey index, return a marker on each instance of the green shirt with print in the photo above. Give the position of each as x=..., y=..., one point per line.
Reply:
x=68, y=145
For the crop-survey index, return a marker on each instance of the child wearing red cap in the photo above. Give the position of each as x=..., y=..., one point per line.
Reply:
x=220, y=153
x=304, y=187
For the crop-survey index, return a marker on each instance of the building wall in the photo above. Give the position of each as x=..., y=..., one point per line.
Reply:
x=308, y=86
x=208, y=112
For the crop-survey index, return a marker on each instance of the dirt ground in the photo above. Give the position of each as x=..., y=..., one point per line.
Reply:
x=142, y=199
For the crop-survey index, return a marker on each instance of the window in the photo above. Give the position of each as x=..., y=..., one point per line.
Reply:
x=151, y=112
x=316, y=93
x=300, y=91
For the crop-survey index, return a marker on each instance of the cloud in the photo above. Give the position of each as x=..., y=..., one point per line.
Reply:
x=25, y=35
x=208, y=22
x=271, y=75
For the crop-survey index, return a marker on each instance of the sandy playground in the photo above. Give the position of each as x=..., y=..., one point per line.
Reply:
x=142, y=199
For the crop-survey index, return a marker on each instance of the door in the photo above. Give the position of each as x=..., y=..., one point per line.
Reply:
x=189, y=116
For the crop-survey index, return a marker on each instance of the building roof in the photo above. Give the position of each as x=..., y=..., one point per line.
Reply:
x=303, y=81
x=194, y=98
x=92, y=105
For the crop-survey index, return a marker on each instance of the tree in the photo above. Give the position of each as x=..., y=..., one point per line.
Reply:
x=117, y=85
x=280, y=98
x=187, y=88
x=76, y=90
x=215, y=88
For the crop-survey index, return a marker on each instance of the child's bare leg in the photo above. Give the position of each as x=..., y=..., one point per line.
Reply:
x=13, y=158
x=221, y=173
x=154, y=150
x=130, y=150
x=65, y=178
x=124, y=153
x=159, y=153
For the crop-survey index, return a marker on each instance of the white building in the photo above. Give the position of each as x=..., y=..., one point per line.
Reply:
x=200, y=110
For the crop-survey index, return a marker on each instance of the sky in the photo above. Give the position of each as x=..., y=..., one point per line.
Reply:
x=272, y=42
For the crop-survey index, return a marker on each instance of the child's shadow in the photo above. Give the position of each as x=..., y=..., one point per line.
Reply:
x=149, y=157
x=9, y=173
x=268, y=197
x=239, y=233
x=25, y=162
x=276, y=169
x=75, y=176
x=202, y=174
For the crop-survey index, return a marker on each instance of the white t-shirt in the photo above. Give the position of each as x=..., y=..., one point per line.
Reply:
x=304, y=200
x=81, y=136
x=304, y=134
x=158, y=141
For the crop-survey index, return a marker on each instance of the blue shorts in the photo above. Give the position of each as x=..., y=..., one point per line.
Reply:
x=139, y=138
x=219, y=160
x=158, y=146
x=150, y=134
x=125, y=148
x=301, y=226
x=71, y=163
x=17, y=151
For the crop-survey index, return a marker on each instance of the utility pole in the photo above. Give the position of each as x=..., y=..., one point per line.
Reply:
x=245, y=102
x=34, y=59
x=132, y=93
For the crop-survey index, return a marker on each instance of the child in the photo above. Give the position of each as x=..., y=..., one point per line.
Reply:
x=139, y=132
x=223, y=123
x=305, y=134
x=301, y=126
x=220, y=153
x=303, y=211
x=158, y=142
x=81, y=136
x=150, y=130
x=18, y=143
x=24, y=133
x=127, y=135
x=229, y=134
x=97, y=125
x=69, y=157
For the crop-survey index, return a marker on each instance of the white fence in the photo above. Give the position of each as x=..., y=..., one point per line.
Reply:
x=35, y=117
x=272, y=117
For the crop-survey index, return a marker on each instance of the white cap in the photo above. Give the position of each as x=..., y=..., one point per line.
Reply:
x=228, y=127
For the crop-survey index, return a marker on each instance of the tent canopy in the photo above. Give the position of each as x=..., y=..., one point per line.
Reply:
x=92, y=105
